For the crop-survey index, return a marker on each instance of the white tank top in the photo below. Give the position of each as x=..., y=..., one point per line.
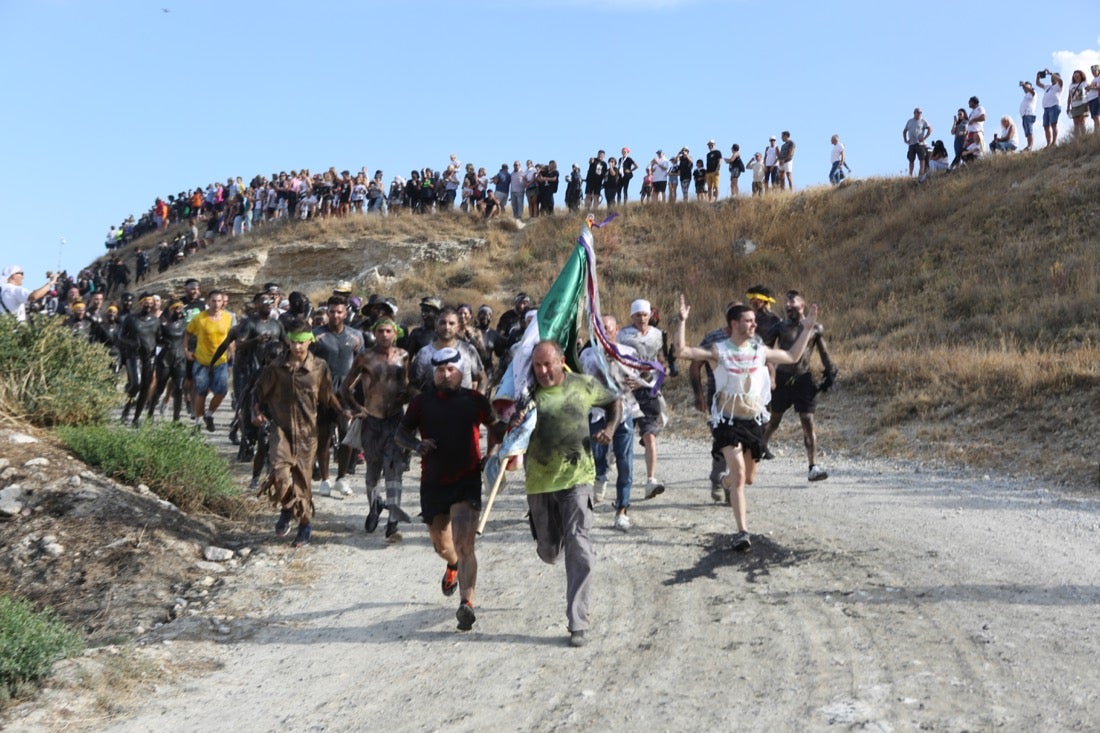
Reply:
x=742, y=384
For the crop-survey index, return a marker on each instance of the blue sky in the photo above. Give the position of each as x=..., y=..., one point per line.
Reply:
x=111, y=104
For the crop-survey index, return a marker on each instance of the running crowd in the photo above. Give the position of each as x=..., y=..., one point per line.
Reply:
x=968, y=126
x=344, y=382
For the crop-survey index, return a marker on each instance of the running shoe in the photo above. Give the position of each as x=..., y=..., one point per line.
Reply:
x=325, y=489
x=282, y=524
x=817, y=473
x=254, y=484
x=342, y=487
x=374, y=514
x=653, y=488
x=465, y=616
x=601, y=490
x=209, y=420
x=622, y=522
x=302, y=538
x=716, y=492
x=392, y=535
x=741, y=542
x=450, y=580
x=578, y=638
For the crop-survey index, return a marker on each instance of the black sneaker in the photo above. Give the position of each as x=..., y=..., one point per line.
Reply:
x=465, y=616
x=282, y=525
x=768, y=455
x=302, y=538
x=392, y=535
x=374, y=515
x=209, y=420
x=741, y=542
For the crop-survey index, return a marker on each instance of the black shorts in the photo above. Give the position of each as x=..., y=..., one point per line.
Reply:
x=745, y=434
x=917, y=151
x=437, y=500
x=659, y=186
x=650, y=422
x=799, y=391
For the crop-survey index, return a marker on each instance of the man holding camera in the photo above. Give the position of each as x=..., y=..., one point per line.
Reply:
x=1027, y=111
x=1052, y=107
x=915, y=132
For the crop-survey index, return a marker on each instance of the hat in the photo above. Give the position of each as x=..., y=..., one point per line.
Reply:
x=772, y=137
x=711, y=141
x=432, y=302
x=342, y=288
x=522, y=297
x=354, y=302
x=659, y=152
x=447, y=355
x=485, y=309
x=11, y=270
x=640, y=306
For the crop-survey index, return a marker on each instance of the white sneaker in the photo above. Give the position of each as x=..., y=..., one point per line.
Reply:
x=325, y=489
x=601, y=490
x=653, y=487
x=817, y=473
x=622, y=522
x=342, y=487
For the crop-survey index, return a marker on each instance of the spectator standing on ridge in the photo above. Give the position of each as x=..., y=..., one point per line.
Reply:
x=1076, y=104
x=517, y=186
x=1092, y=96
x=1027, y=112
x=837, y=161
x=660, y=167
x=627, y=166
x=1052, y=105
x=771, y=164
x=759, y=174
x=975, y=124
x=736, y=167
x=786, y=161
x=713, y=165
x=593, y=180
x=915, y=132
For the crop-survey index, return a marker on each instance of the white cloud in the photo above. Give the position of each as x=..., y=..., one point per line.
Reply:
x=1066, y=62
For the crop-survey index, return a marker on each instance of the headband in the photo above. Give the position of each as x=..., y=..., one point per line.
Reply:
x=384, y=322
x=752, y=295
x=301, y=337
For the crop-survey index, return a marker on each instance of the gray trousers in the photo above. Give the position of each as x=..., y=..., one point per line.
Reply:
x=561, y=520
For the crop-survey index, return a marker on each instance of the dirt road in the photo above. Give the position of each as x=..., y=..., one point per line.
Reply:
x=883, y=599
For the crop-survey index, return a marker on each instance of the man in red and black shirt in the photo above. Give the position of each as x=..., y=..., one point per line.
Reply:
x=448, y=418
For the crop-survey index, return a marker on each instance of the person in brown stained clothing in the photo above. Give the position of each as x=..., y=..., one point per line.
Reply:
x=288, y=395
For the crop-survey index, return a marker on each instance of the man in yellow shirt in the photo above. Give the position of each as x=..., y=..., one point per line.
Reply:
x=209, y=329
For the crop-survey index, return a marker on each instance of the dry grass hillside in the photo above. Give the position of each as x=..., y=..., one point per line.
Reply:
x=962, y=312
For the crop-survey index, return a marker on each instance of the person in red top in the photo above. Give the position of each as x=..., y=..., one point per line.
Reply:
x=448, y=418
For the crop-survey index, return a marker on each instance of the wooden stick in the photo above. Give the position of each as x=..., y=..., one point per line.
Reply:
x=493, y=494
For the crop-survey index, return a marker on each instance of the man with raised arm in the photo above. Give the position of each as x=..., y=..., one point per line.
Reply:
x=738, y=411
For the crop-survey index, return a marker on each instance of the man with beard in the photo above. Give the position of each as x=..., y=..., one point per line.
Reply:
x=423, y=334
x=489, y=336
x=446, y=336
x=448, y=419
x=138, y=340
x=381, y=374
x=171, y=363
x=338, y=344
x=794, y=383
x=250, y=334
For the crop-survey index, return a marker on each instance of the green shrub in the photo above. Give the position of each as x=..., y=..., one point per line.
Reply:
x=48, y=377
x=30, y=642
x=171, y=459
